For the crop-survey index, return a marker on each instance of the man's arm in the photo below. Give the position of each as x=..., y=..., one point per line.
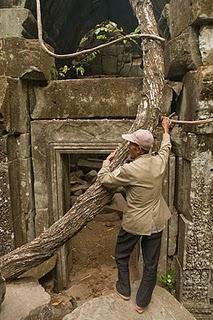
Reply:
x=116, y=178
x=165, y=147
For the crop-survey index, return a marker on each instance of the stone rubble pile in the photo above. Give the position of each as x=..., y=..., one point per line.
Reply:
x=82, y=178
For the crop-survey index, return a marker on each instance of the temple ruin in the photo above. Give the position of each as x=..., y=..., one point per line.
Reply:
x=51, y=129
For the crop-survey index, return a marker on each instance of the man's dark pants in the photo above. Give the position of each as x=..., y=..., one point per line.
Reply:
x=150, y=246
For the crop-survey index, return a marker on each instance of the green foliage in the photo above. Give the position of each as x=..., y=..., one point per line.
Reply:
x=80, y=70
x=137, y=30
x=103, y=32
x=53, y=73
x=168, y=281
x=62, y=72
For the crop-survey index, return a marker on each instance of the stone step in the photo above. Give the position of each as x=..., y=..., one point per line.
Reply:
x=26, y=300
x=162, y=307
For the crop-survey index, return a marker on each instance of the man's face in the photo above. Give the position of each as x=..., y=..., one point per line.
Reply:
x=134, y=150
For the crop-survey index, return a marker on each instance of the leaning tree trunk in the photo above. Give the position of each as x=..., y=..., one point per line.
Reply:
x=96, y=197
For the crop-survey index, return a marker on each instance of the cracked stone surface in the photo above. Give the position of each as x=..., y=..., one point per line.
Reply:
x=25, y=299
x=162, y=307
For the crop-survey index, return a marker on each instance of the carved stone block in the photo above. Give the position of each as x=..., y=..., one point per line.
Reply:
x=24, y=23
x=22, y=200
x=13, y=105
x=192, y=12
x=181, y=55
x=197, y=101
x=42, y=221
x=6, y=228
x=87, y=98
x=18, y=147
x=172, y=234
x=195, y=237
x=23, y=58
x=183, y=185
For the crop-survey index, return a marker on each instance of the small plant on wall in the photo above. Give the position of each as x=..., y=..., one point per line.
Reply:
x=168, y=281
x=102, y=33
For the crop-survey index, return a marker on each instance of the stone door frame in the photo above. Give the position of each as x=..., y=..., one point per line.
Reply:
x=58, y=171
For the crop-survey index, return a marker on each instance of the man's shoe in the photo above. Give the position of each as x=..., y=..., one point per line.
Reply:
x=126, y=298
x=139, y=309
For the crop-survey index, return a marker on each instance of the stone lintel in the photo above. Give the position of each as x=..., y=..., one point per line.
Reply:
x=192, y=12
x=24, y=58
x=197, y=101
x=14, y=105
x=181, y=55
x=23, y=23
x=87, y=98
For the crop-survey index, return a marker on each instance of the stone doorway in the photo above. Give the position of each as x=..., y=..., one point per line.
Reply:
x=52, y=169
x=91, y=252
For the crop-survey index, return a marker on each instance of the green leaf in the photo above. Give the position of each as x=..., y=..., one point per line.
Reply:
x=137, y=30
x=101, y=37
x=80, y=70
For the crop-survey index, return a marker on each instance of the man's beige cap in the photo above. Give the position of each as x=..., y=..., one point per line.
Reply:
x=141, y=137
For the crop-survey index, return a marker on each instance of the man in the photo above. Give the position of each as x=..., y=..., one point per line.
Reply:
x=147, y=212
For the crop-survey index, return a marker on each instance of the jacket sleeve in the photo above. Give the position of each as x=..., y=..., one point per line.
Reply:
x=118, y=177
x=164, y=151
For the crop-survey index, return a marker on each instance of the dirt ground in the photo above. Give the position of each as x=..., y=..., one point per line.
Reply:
x=94, y=269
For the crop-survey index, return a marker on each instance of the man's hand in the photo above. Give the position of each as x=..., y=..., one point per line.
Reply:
x=166, y=124
x=111, y=156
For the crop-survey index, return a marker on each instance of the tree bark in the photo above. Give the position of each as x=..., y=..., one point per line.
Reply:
x=96, y=197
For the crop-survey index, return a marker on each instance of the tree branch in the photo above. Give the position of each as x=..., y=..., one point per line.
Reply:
x=86, y=51
x=192, y=121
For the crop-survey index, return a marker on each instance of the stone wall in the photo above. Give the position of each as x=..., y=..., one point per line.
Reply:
x=6, y=226
x=189, y=59
x=47, y=120
x=118, y=60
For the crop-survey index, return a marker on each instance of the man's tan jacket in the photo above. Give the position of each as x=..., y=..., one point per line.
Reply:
x=147, y=211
